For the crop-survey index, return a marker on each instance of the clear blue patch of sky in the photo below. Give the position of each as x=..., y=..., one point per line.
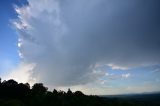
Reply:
x=8, y=36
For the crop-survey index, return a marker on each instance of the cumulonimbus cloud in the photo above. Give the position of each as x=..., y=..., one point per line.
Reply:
x=66, y=39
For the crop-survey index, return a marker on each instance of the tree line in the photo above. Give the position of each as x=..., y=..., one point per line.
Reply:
x=13, y=93
x=22, y=94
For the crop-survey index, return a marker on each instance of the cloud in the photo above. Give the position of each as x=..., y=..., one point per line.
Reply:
x=108, y=89
x=111, y=77
x=114, y=67
x=157, y=70
x=21, y=73
x=126, y=75
x=66, y=39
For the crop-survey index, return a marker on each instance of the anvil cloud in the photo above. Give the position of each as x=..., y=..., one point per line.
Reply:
x=68, y=39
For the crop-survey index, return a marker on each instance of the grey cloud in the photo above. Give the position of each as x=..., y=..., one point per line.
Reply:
x=66, y=42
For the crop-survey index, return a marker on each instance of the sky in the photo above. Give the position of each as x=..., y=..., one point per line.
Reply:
x=8, y=37
x=96, y=46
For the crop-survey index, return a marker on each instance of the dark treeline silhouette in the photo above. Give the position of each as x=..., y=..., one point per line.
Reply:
x=13, y=93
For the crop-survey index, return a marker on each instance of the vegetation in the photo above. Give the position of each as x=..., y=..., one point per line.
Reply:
x=13, y=93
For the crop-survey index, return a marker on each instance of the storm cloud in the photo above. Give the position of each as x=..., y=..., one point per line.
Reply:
x=69, y=39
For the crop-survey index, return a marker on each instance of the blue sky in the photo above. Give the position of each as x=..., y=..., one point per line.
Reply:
x=99, y=47
x=8, y=40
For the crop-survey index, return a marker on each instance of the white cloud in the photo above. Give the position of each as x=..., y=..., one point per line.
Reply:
x=67, y=39
x=116, y=67
x=107, y=74
x=21, y=73
x=126, y=75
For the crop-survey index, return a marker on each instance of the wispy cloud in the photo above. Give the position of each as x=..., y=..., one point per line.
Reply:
x=126, y=75
x=116, y=67
x=156, y=70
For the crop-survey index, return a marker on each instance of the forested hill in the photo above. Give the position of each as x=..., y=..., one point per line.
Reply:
x=13, y=93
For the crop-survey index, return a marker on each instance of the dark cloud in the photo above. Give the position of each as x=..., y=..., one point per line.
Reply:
x=67, y=39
